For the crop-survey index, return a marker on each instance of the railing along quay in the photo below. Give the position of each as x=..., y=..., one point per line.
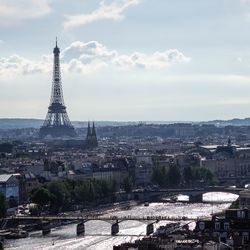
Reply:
x=107, y=218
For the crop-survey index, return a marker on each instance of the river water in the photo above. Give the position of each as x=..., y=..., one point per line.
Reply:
x=65, y=237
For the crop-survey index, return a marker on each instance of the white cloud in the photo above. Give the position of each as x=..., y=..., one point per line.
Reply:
x=89, y=57
x=112, y=11
x=95, y=54
x=16, y=64
x=12, y=11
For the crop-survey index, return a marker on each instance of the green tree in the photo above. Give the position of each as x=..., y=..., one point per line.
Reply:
x=60, y=193
x=2, y=205
x=159, y=176
x=207, y=176
x=128, y=184
x=197, y=176
x=113, y=186
x=91, y=192
x=60, y=196
x=6, y=147
x=12, y=202
x=81, y=192
x=188, y=176
x=40, y=196
x=174, y=176
x=105, y=188
x=1, y=245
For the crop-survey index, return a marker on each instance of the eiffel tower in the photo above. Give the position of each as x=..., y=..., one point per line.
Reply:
x=57, y=123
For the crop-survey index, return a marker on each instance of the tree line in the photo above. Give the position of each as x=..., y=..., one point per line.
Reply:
x=61, y=194
x=172, y=177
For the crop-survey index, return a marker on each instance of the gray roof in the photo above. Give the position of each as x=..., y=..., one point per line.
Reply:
x=5, y=177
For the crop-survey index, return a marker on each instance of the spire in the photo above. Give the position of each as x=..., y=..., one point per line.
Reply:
x=93, y=133
x=56, y=50
x=91, y=138
x=89, y=131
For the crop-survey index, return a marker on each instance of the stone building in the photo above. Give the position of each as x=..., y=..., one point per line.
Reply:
x=229, y=162
x=244, y=198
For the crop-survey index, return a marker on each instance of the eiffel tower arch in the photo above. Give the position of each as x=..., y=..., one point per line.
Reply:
x=57, y=123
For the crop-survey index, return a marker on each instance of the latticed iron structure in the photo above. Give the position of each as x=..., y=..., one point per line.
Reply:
x=57, y=123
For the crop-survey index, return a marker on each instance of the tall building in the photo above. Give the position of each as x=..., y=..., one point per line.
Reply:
x=91, y=138
x=57, y=123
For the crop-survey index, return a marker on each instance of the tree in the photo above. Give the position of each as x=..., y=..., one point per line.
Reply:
x=188, y=175
x=174, y=176
x=159, y=176
x=207, y=176
x=6, y=147
x=81, y=192
x=2, y=205
x=91, y=192
x=197, y=175
x=60, y=195
x=127, y=184
x=105, y=188
x=40, y=196
x=12, y=202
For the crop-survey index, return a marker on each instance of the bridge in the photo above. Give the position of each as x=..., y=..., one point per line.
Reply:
x=195, y=194
x=46, y=221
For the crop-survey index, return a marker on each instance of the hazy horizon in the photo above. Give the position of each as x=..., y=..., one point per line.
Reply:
x=130, y=121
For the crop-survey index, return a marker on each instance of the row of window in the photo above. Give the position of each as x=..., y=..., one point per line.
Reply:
x=7, y=185
x=217, y=226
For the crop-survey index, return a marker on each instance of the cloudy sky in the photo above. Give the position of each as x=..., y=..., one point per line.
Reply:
x=127, y=59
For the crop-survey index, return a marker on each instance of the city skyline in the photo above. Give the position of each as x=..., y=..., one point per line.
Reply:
x=127, y=60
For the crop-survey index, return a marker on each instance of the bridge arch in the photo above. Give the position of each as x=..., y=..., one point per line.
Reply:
x=198, y=196
x=195, y=195
x=109, y=222
x=143, y=222
x=231, y=196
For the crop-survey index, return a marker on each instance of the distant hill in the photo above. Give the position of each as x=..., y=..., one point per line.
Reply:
x=18, y=123
x=232, y=122
x=9, y=123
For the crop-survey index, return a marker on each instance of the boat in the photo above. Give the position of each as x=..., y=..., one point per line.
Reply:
x=17, y=234
x=167, y=229
x=173, y=199
x=146, y=204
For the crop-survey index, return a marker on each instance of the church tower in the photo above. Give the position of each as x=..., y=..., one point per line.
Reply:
x=91, y=138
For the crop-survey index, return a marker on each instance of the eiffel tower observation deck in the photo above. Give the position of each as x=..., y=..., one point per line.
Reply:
x=57, y=123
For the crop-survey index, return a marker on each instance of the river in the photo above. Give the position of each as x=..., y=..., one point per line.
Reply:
x=64, y=237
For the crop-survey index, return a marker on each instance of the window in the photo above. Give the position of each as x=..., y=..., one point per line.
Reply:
x=217, y=225
x=240, y=214
x=226, y=226
x=245, y=237
x=202, y=225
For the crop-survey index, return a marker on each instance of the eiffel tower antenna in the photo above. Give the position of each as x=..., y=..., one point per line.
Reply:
x=57, y=123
